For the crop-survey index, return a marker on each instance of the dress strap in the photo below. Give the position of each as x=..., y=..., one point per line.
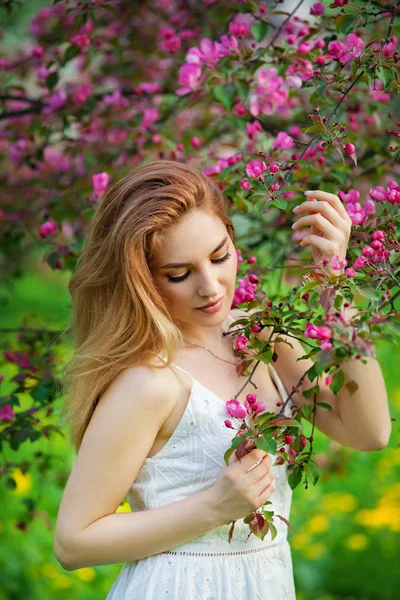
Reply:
x=178, y=367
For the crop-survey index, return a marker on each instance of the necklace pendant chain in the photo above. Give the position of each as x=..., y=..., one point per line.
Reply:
x=211, y=352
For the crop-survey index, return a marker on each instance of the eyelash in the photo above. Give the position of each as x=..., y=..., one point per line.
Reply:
x=183, y=277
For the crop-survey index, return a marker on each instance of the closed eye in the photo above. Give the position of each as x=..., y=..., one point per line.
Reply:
x=186, y=275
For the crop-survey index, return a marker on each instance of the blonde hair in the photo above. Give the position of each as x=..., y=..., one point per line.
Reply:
x=118, y=316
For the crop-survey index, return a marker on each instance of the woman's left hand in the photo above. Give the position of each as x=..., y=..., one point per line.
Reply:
x=330, y=228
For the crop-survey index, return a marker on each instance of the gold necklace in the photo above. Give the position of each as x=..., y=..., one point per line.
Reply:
x=211, y=352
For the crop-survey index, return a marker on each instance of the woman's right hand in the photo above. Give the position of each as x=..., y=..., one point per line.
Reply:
x=243, y=485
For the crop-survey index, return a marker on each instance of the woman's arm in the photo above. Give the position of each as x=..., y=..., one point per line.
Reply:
x=123, y=537
x=119, y=437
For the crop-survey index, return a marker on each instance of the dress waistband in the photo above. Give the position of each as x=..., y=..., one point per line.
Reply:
x=220, y=548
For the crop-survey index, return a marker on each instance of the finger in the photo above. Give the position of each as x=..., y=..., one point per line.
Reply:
x=320, y=223
x=333, y=200
x=326, y=246
x=322, y=207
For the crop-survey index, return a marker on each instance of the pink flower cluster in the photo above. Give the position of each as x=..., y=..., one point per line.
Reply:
x=241, y=342
x=321, y=333
x=345, y=52
x=6, y=413
x=222, y=164
x=47, y=228
x=240, y=411
x=100, y=183
x=244, y=293
x=207, y=54
x=359, y=214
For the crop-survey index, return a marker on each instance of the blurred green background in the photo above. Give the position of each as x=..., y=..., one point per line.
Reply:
x=346, y=528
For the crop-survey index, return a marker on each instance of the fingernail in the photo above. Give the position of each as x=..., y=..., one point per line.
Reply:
x=308, y=192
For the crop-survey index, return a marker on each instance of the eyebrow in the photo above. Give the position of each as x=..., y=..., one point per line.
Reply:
x=179, y=265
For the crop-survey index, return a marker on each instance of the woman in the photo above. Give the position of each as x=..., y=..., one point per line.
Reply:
x=146, y=400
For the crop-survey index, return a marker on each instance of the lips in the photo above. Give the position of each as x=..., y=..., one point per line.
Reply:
x=212, y=304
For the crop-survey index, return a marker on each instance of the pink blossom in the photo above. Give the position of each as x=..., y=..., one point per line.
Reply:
x=47, y=228
x=377, y=94
x=150, y=115
x=337, y=264
x=359, y=263
x=56, y=159
x=346, y=52
x=115, y=99
x=241, y=342
x=349, y=272
x=228, y=423
x=252, y=129
x=311, y=331
x=369, y=207
x=258, y=407
x=245, y=184
x=100, y=183
x=171, y=45
x=349, y=149
x=283, y=141
x=251, y=398
x=328, y=380
x=6, y=413
x=189, y=76
x=274, y=167
x=379, y=235
x=255, y=168
x=298, y=71
x=81, y=94
x=37, y=51
x=378, y=194
x=238, y=29
x=326, y=345
x=269, y=93
x=317, y=9
x=55, y=101
x=239, y=256
x=195, y=142
x=235, y=409
x=81, y=40
x=240, y=110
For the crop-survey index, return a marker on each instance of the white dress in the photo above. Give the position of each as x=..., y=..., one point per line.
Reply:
x=207, y=567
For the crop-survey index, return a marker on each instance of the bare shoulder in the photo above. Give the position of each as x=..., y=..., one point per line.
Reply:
x=144, y=380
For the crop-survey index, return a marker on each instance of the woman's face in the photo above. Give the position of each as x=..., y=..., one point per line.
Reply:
x=201, y=240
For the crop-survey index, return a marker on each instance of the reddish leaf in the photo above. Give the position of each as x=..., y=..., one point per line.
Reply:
x=231, y=531
x=285, y=521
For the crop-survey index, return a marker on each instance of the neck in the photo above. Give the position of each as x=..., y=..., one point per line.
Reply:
x=208, y=337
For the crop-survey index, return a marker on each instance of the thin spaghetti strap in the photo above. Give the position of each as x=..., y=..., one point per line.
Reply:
x=178, y=367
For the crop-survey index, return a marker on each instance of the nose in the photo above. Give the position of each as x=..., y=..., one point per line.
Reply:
x=209, y=287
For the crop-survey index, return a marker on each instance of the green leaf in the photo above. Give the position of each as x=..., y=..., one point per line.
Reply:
x=337, y=382
x=225, y=94
x=346, y=23
x=228, y=454
x=370, y=293
x=273, y=530
x=266, y=445
x=35, y=435
x=52, y=80
x=280, y=203
x=312, y=471
x=324, y=405
x=70, y=53
x=294, y=479
x=387, y=75
x=307, y=410
x=11, y=483
x=259, y=30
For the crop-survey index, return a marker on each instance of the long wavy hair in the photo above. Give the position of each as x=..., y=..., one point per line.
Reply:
x=118, y=317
